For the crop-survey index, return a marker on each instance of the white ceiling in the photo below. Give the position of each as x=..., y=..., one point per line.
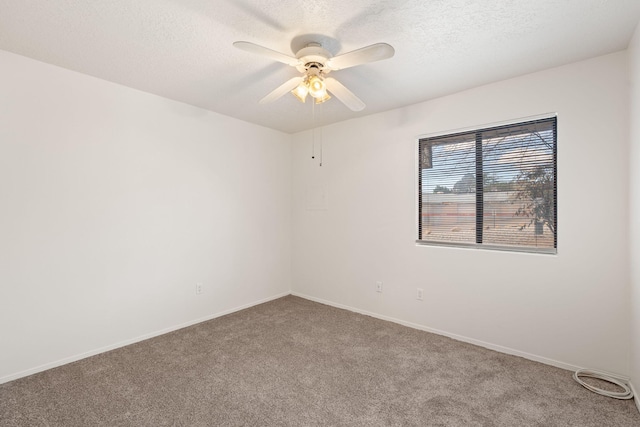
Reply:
x=182, y=49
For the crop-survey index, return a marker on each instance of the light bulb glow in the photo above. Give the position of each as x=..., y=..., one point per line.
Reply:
x=316, y=87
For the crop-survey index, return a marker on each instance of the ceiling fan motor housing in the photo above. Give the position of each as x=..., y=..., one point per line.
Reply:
x=313, y=56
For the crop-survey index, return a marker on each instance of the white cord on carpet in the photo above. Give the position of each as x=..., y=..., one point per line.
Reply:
x=627, y=394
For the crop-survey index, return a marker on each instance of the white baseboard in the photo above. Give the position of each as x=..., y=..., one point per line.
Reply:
x=64, y=361
x=490, y=346
x=635, y=395
x=499, y=348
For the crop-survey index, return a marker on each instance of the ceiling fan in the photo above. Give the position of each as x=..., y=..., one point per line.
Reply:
x=315, y=62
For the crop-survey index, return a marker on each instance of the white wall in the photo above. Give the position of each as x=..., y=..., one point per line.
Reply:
x=115, y=203
x=570, y=309
x=634, y=60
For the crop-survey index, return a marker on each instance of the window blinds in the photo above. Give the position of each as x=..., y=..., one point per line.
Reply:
x=492, y=187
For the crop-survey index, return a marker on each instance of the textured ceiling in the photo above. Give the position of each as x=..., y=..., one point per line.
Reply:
x=182, y=49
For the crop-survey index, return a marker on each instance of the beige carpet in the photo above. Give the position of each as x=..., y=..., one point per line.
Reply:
x=293, y=362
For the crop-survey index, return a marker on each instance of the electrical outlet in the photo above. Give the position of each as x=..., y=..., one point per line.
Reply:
x=379, y=286
x=199, y=288
x=419, y=294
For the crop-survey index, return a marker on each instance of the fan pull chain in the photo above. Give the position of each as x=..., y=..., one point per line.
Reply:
x=321, y=142
x=313, y=130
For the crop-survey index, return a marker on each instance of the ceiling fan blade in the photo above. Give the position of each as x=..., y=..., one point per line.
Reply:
x=264, y=51
x=343, y=94
x=281, y=90
x=374, y=52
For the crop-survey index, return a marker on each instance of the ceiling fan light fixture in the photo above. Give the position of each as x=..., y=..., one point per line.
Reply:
x=326, y=97
x=301, y=91
x=317, y=87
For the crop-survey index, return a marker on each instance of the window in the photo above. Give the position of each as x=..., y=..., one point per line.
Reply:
x=490, y=188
